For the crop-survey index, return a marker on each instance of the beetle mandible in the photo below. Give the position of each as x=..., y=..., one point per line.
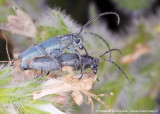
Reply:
x=56, y=45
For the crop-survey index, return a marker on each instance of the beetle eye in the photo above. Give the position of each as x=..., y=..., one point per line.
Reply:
x=94, y=66
x=77, y=41
x=75, y=35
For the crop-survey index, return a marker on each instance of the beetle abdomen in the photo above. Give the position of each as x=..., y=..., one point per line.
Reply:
x=45, y=64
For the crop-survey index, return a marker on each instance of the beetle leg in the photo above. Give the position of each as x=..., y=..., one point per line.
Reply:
x=79, y=55
x=75, y=50
x=55, y=52
x=61, y=47
x=47, y=73
x=81, y=76
x=59, y=64
x=82, y=71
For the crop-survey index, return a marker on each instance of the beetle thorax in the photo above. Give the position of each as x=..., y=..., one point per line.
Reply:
x=90, y=62
x=67, y=40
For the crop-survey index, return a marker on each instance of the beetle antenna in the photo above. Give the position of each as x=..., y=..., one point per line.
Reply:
x=85, y=50
x=119, y=69
x=109, y=50
x=105, y=13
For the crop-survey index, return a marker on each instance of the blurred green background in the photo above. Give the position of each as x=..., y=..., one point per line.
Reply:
x=139, y=25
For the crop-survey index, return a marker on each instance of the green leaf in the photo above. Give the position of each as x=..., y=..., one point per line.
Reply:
x=6, y=99
x=39, y=102
x=4, y=71
x=145, y=103
x=134, y=5
x=64, y=27
x=5, y=81
x=32, y=110
x=50, y=32
x=2, y=111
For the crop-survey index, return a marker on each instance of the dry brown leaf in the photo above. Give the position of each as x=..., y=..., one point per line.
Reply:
x=140, y=50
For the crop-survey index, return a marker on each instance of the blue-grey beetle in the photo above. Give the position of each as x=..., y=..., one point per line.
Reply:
x=50, y=63
x=57, y=44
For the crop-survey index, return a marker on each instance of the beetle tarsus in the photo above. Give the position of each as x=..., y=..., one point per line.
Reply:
x=81, y=76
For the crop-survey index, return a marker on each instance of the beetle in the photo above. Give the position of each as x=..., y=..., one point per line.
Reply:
x=57, y=45
x=49, y=63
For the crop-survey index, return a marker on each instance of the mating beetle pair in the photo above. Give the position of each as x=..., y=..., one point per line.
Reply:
x=52, y=46
x=57, y=44
x=53, y=57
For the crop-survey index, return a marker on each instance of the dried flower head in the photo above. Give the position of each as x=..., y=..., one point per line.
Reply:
x=21, y=24
x=71, y=83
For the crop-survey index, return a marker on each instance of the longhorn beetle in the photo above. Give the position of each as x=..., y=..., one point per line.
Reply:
x=56, y=45
x=50, y=63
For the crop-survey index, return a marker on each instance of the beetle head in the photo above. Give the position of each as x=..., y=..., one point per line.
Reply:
x=94, y=64
x=77, y=41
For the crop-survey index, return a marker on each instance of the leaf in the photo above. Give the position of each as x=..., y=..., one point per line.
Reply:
x=2, y=111
x=7, y=99
x=145, y=103
x=4, y=71
x=32, y=110
x=64, y=27
x=5, y=81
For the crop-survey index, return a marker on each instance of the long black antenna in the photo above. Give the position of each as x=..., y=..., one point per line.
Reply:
x=109, y=50
x=105, y=13
x=85, y=50
x=119, y=69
